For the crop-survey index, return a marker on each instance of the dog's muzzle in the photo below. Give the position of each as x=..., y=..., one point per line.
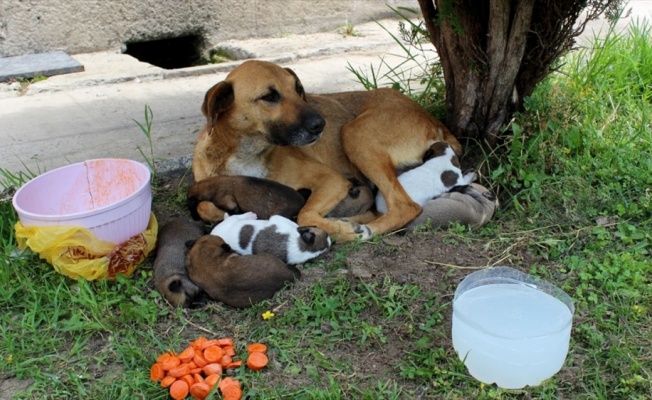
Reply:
x=306, y=131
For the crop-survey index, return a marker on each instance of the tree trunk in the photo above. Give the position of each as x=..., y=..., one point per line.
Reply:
x=494, y=52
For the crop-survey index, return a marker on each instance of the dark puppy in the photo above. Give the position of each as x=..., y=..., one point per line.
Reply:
x=235, y=280
x=471, y=205
x=170, y=277
x=210, y=198
x=359, y=200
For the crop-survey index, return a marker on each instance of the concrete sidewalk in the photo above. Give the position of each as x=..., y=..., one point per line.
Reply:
x=74, y=117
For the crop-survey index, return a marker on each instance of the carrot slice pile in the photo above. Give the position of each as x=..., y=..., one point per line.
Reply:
x=199, y=368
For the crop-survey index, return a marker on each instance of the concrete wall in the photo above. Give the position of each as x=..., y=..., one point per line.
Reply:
x=82, y=26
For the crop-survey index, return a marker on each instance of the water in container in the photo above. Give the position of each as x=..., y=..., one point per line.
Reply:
x=510, y=332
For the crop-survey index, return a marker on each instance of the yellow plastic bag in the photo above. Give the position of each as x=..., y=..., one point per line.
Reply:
x=76, y=253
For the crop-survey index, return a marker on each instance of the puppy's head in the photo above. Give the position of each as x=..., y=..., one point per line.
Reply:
x=180, y=291
x=206, y=249
x=265, y=101
x=313, y=239
x=441, y=149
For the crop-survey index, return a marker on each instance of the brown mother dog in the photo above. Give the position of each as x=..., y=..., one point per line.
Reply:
x=261, y=123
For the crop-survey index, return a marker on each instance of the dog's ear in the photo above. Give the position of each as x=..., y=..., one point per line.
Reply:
x=192, y=204
x=217, y=100
x=307, y=235
x=190, y=243
x=226, y=248
x=298, y=86
x=175, y=286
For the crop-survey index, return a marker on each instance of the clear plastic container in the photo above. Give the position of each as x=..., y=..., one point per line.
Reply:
x=511, y=328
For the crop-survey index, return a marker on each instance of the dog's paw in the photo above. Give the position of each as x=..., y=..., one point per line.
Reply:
x=360, y=231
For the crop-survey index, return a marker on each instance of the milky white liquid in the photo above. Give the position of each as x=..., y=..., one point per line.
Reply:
x=511, y=334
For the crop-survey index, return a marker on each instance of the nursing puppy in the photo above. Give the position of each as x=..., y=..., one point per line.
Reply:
x=277, y=236
x=472, y=205
x=437, y=175
x=358, y=201
x=210, y=198
x=170, y=277
x=235, y=280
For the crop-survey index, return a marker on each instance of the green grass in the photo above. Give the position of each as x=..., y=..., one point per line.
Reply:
x=574, y=179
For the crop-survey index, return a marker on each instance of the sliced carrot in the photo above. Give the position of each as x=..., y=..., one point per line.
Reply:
x=167, y=381
x=187, y=354
x=199, y=359
x=196, y=371
x=209, y=343
x=181, y=370
x=224, y=342
x=231, y=391
x=229, y=350
x=213, y=354
x=198, y=378
x=200, y=390
x=234, y=364
x=156, y=373
x=228, y=381
x=213, y=369
x=226, y=360
x=257, y=361
x=165, y=356
x=189, y=379
x=257, y=347
x=213, y=379
x=179, y=390
x=196, y=344
x=171, y=363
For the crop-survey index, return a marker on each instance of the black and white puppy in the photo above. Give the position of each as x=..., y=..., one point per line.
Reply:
x=279, y=236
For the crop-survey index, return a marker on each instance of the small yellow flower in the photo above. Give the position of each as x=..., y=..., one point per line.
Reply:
x=268, y=315
x=10, y=358
x=638, y=309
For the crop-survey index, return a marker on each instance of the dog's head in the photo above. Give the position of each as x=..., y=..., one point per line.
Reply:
x=264, y=100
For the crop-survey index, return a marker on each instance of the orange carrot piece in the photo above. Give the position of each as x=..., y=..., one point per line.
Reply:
x=209, y=343
x=179, y=390
x=171, y=363
x=213, y=369
x=234, y=364
x=227, y=381
x=196, y=344
x=213, y=354
x=199, y=359
x=200, y=390
x=181, y=370
x=229, y=350
x=189, y=379
x=156, y=373
x=187, y=354
x=167, y=381
x=257, y=361
x=165, y=356
x=257, y=347
x=213, y=379
x=224, y=342
x=231, y=391
x=226, y=360
x=197, y=378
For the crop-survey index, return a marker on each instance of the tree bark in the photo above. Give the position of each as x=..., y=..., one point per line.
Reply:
x=494, y=52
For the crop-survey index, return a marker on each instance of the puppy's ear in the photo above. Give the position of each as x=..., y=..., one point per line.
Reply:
x=489, y=196
x=192, y=203
x=190, y=243
x=307, y=235
x=226, y=248
x=298, y=86
x=175, y=286
x=218, y=99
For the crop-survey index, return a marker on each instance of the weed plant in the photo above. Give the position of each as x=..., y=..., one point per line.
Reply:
x=574, y=179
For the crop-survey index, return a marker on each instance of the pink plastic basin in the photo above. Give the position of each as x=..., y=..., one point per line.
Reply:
x=110, y=197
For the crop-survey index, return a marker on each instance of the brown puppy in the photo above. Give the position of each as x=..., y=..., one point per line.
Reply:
x=261, y=123
x=170, y=277
x=235, y=280
x=210, y=198
x=472, y=205
x=358, y=200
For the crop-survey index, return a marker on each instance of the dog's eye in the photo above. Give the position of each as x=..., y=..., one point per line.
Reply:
x=273, y=96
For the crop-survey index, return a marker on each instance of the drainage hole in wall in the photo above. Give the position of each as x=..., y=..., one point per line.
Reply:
x=171, y=53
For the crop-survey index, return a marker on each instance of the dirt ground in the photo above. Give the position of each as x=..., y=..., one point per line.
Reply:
x=433, y=260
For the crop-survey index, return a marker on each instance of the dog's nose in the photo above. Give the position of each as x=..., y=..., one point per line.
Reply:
x=315, y=124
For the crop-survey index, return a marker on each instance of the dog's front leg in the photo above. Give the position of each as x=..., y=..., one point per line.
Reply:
x=328, y=190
